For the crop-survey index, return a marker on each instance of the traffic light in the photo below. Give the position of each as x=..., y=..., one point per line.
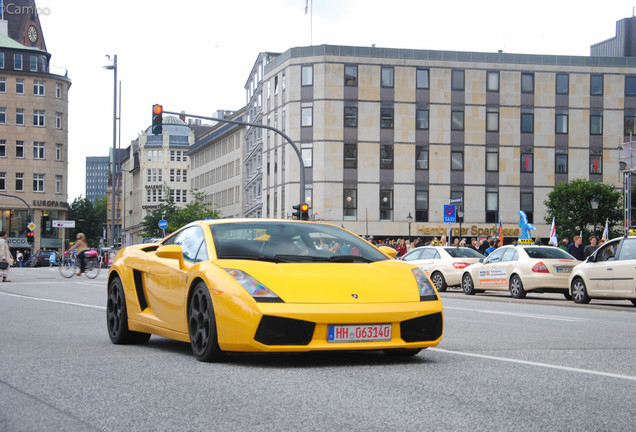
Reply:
x=305, y=211
x=30, y=236
x=296, y=213
x=157, y=119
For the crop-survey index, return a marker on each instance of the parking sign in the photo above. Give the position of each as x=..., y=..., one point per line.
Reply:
x=449, y=213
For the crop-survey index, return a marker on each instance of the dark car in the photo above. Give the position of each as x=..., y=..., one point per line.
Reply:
x=43, y=258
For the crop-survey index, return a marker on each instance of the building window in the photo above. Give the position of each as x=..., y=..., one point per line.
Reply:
x=492, y=205
x=58, y=152
x=596, y=162
x=19, y=116
x=38, y=182
x=386, y=204
x=283, y=84
x=38, y=88
x=19, y=86
x=527, y=120
x=386, y=116
x=350, y=114
x=457, y=80
x=19, y=182
x=307, y=76
x=457, y=119
x=596, y=122
x=3, y=181
x=350, y=155
x=3, y=148
x=3, y=116
x=306, y=114
x=38, y=150
x=386, y=79
x=307, y=154
x=630, y=85
x=561, y=121
x=350, y=202
x=527, y=206
x=386, y=156
x=596, y=85
x=19, y=149
x=33, y=63
x=351, y=75
x=422, y=79
x=17, y=61
x=58, y=120
x=3, y=85
x=421, y=204
x=629, y=123
x=492, y=81
x=527, y=83
x=421, y=118
x=421, y=157
x=38, y=118
x=58, y=91
x=1, y=60
x=492, y=159
x=562, y=83
x=561, y=161
x=492, y=119
x=527, y=165
x=58, y=184
x=457, y=160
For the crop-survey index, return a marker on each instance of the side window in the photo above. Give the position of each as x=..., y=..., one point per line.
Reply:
x=495, y=256
x=606, y=252
x=412, y=256
x=628, y=249
x=510, y=255
x=192, y=243
x=428, y=253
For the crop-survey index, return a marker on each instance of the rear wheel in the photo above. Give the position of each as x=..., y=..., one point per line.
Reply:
x=516, y=287
x=439, y=281
x=117, y=317
x=92, y=268
x=67, y=267
x=202, y=324
x=579, y=291
x=467, y=284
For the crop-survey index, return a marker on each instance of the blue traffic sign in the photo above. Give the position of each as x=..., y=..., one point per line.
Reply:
x=449, y=214
x=163, y=224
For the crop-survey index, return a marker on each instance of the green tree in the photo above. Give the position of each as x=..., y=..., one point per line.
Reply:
x=89, y=219
x=569, y=204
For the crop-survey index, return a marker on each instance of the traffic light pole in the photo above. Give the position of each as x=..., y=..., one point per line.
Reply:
x=258, y=125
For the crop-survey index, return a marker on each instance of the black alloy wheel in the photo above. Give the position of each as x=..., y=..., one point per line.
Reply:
x=117, y=317
x=202, y=326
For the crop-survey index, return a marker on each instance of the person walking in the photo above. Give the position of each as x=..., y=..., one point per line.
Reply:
x=19, y=257
x=589, y=249
x=576, y=248
x=80, y=246
x=5, y=256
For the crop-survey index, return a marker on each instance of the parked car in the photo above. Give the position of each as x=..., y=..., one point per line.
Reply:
x=521, y=269
x=609, y=273
x=444, y=264
x=43, y=258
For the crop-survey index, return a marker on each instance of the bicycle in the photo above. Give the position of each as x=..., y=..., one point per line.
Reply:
x=69, y=265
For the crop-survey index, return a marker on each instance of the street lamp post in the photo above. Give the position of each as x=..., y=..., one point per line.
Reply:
x=409, y=220
x=113, y=67
x=594, y=203
x=460, y=217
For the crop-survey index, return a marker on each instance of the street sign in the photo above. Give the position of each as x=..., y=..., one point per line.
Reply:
x=63, y=224
x=31, y=226
x=449, y=213
x=163, y=224
x=455, y=200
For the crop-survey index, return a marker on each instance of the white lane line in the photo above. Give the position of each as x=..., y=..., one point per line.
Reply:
x=54, y=301
x=523, y=315
x=531, y=363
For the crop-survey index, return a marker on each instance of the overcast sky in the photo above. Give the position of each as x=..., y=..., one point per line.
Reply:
x=195, y=56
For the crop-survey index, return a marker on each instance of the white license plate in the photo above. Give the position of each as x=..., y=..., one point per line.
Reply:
x=564, y=269
x=359, y=333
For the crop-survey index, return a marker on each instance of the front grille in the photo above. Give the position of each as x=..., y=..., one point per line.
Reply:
x=274, y=330
x=426, y=328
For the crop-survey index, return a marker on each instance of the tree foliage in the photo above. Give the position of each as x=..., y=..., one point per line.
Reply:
x=89, y=218
x=196, y=209
x=570, y=205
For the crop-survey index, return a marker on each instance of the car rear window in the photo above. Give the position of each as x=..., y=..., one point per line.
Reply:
x=459, y=252
x=547, y=252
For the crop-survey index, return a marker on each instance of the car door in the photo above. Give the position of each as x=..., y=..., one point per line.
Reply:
x=428, y=259
x=492, y=274
x=600, y=268
x=623, y=269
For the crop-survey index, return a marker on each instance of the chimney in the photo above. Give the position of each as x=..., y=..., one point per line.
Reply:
x=182, y=116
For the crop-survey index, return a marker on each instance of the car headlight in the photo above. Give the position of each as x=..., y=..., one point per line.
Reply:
x=427, y=292
x=256, y=289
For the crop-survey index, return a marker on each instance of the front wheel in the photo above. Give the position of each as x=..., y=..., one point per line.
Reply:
x=439, y=281
x=467, y=284
x=92, y=268
x=68, y=267
x=579, y=291
x=516, y=287
x=117, y=317
x=202, y=325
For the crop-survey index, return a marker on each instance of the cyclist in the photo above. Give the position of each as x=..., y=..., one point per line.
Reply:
x=80, y=246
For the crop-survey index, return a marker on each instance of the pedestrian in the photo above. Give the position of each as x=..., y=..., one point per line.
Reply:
x=6, y=258
x=491, y=247
x=589, y=249
x=401, y=248
x=576, y=248
x=81, y=247
x=19, y=257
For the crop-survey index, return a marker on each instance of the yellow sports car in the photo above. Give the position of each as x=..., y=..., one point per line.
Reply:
x=271, y=286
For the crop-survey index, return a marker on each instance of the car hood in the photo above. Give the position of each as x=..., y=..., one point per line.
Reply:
x=379, y=282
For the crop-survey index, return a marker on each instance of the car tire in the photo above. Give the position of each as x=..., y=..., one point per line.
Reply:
x=516, y=287
x=202, y=325
x=567, y=295
x=402, y=352
x=439, y=281
x=117, y=317
x=467, y=284
x=579, y=291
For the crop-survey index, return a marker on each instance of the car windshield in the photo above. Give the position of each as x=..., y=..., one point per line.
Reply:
x=546, y=252
x=290, y=242
x=462, y=252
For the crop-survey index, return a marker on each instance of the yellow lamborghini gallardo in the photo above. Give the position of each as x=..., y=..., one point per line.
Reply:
x=264, y=285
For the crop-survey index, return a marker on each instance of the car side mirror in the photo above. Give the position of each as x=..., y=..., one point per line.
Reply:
x=173, y=252
x=388, y=251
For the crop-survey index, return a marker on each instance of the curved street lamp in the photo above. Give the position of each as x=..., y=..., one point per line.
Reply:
x=594, y=203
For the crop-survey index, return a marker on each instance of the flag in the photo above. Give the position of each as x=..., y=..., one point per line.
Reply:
x=553, y=236
x=606, y=231
x=500, y=233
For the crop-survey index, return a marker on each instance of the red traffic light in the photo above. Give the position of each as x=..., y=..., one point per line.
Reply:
x=157, y=109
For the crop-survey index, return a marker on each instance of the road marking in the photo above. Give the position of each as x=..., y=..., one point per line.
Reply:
x=523, y=315
x=54, y=301
x=531, y=363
